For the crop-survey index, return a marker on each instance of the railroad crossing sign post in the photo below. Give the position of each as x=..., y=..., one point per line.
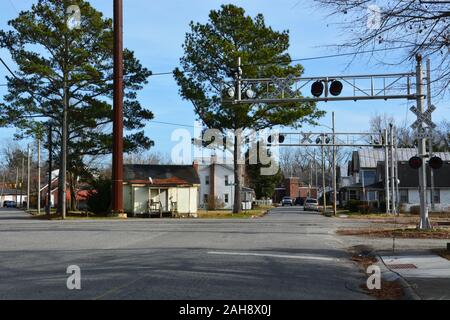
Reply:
x=423, y=125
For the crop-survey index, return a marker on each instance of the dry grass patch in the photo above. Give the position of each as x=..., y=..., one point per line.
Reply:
x=398, y=233
x=224, y=214
x=390, y=290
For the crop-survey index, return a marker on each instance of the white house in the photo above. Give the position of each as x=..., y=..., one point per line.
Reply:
x=160, y=189
x=9, y=194
x=217, y=185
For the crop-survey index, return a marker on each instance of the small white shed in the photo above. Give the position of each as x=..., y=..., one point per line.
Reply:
x=160, y=189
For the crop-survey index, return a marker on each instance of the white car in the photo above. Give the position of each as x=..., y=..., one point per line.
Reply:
x=311, y=205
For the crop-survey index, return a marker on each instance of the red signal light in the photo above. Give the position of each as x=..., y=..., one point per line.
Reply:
x=415, y=162
x=435, y=162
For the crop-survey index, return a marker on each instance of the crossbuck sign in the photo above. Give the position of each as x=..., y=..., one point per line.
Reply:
x=423, y=118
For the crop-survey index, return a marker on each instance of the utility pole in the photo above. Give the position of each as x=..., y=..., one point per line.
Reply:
x=422, y=148
x=386, y=171
x=310, y=179
x=430, y=140
x=237, y=147
x=334, y=166
x=315, y=173
x=49, y=185
x=17, y=183
x=391, y=142
x=396, y=181
x=28, y=177
x=117, y=172
x=324, y=194
x=22, y=173
x=39, y=177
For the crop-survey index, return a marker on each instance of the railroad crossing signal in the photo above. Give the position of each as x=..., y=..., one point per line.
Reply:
x=423, y=133
x=283, y=86
x=435, y=162
x=415, y=162
x=306, y=137
x=423, y=118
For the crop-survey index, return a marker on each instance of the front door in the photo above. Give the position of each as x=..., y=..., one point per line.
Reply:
x=163, y=194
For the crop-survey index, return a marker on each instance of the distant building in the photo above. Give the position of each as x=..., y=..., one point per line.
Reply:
x=292, y=187
x=10, y=194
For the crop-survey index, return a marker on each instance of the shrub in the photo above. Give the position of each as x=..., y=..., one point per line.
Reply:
x=414, y=210
x=364, y=208
x=99, y=196
x=353, y=205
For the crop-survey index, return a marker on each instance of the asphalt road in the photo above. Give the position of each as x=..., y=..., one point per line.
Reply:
x=288, y=254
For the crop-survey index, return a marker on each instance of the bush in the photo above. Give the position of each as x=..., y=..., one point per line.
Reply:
x=382, y=207
x=99, y=196
x=414, y=210
x=364, y=208
x=353, y=205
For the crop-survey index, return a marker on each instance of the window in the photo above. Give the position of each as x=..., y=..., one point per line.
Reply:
x=205, y=198
x=404, y=196
x=227, y=182
x=352, y=195
x=226, y=197
x=207, y=180
x=436, y=195
x=371, y=196
x=367, y=177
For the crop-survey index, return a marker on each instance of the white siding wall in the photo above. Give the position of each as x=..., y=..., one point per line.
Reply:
x=140, y=199
x=185, y=197
x=414, y=200
x=127, y=199
x=220, y=187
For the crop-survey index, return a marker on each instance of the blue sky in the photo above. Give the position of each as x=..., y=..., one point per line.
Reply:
x=155, y=30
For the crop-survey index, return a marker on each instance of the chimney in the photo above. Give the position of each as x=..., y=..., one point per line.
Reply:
x=195, y=165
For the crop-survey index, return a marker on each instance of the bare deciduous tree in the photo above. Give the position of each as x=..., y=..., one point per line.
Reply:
x=412, y=26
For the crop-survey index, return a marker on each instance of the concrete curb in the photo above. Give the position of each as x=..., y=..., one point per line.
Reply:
x=389, y=275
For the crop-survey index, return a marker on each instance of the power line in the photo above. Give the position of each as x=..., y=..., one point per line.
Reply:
x=175, y=124
x=7, y=67
x=273, y=62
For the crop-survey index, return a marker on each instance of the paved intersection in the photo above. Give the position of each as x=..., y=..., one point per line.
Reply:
x=288, y=254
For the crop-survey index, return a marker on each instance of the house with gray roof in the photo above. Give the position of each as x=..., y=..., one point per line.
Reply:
x=366, y=170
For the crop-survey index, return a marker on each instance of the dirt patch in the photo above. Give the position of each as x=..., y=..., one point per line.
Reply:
x=398, y=233
x=390, y=290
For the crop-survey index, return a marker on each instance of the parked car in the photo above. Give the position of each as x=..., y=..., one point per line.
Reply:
x=311, y=204
x=287, y=201
x=9, y=204
x=299, y=201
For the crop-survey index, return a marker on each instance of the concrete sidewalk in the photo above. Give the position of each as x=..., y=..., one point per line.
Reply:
x=428, y=274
